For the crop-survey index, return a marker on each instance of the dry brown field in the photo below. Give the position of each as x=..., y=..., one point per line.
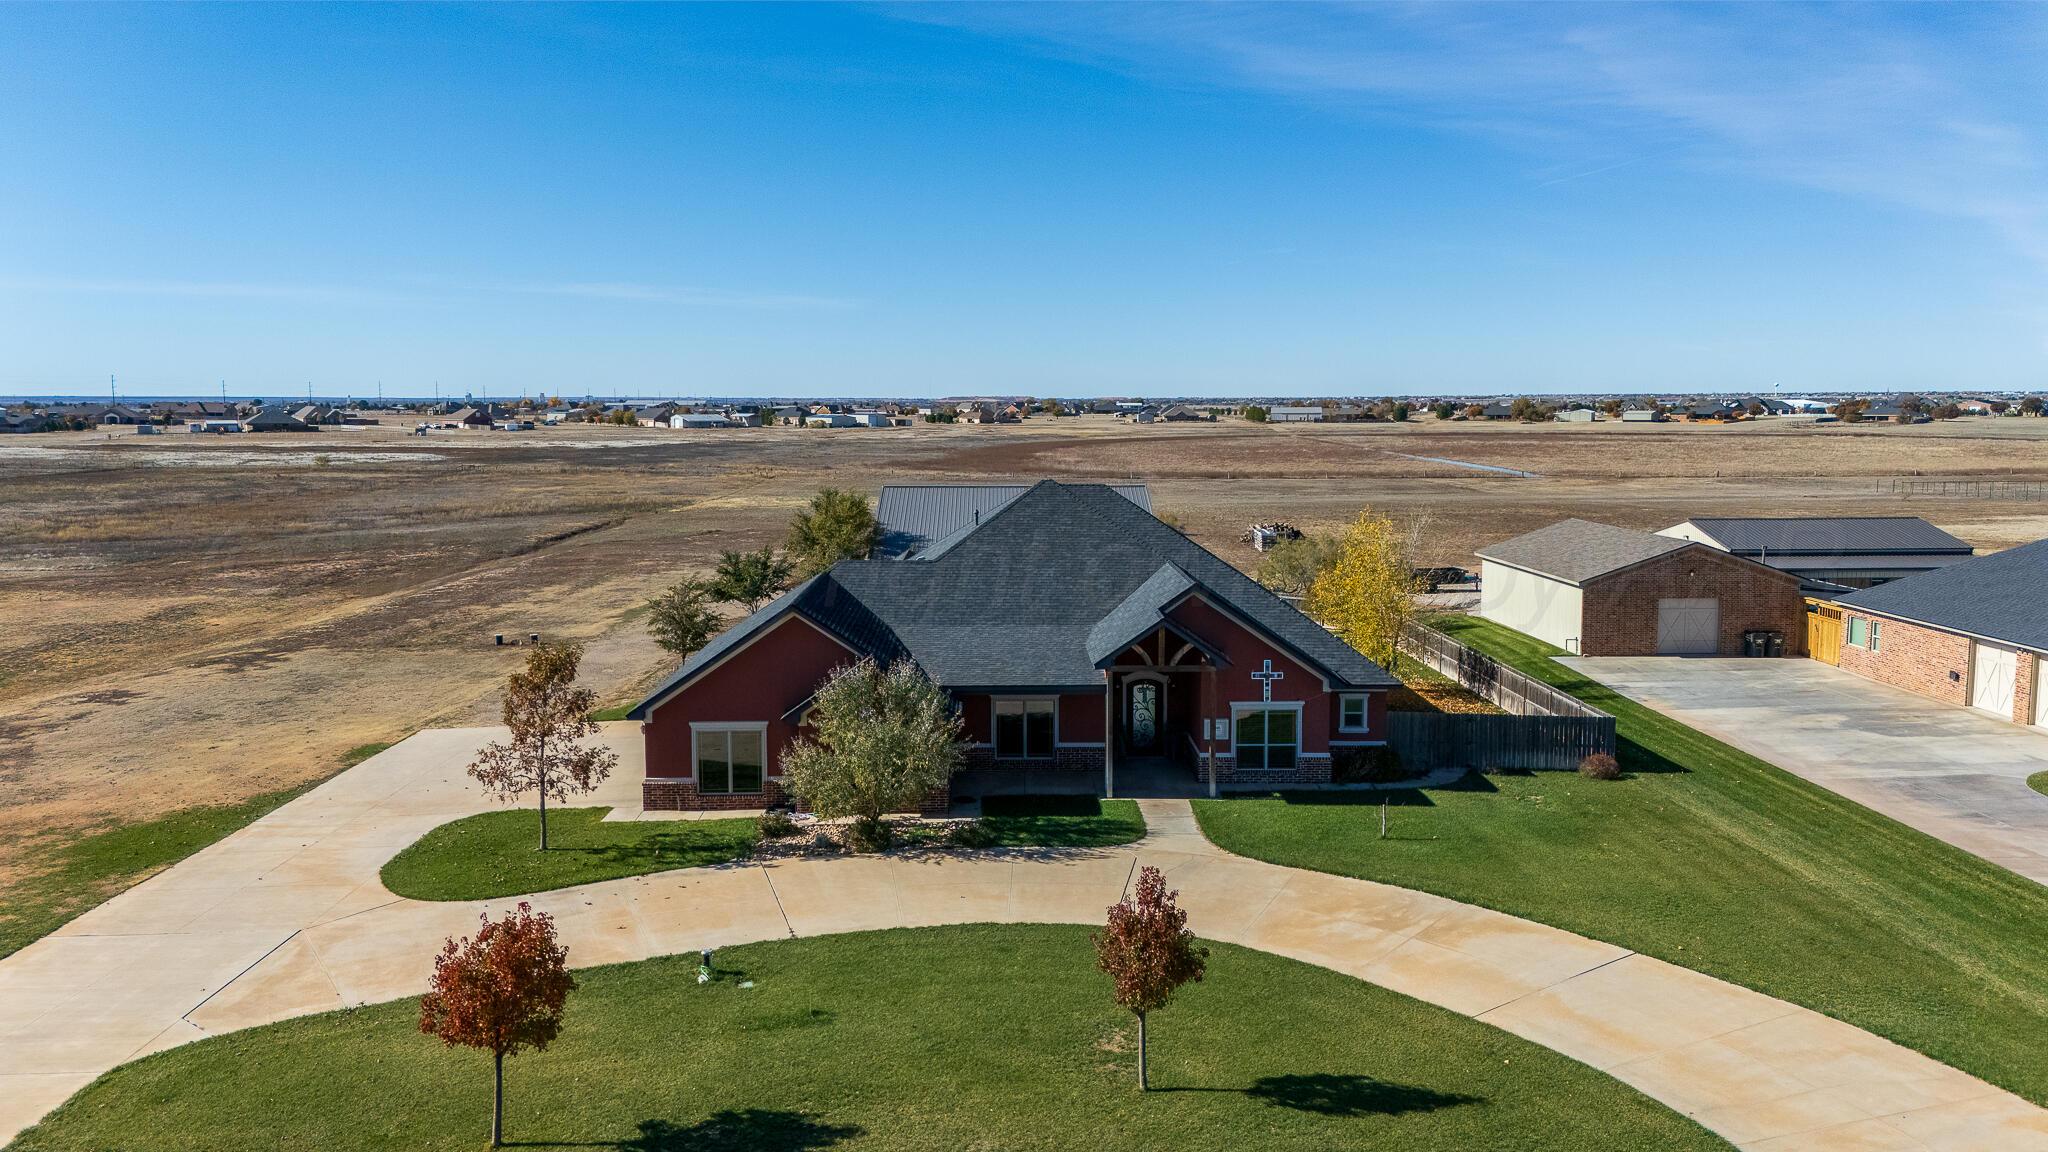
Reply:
x=188, y=620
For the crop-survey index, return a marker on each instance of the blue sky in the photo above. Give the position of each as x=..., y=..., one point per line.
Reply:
x=1055, y=199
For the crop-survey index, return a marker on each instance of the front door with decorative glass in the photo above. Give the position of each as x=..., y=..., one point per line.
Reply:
x=1141, y=716
x=1266, y=738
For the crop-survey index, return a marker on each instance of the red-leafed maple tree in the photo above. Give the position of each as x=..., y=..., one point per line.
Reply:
x=549, y=717
x=1148, y=950
x=501, y=990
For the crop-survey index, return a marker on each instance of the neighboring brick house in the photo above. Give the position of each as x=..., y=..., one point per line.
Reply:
x=1599, y=590
x=1830, y=553
x=1077, y=633
x=1973, y=634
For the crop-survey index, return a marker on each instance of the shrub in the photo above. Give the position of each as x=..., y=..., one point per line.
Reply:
x=1600, y=766
x=1376, y=765
x=776, y=824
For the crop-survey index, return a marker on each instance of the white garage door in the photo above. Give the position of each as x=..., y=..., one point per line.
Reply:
x=1992, y=670
x=1688, y=627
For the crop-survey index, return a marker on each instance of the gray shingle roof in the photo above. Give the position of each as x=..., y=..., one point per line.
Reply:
x=1139, y=613
x=1576, y=551
x=2003, y=596
x=1025, y=599
x=1829, y=535
x=912, y=516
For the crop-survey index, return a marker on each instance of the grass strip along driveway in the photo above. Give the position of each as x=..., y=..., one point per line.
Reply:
x=1713, y=859
x=981, y=1036
x=493, y=854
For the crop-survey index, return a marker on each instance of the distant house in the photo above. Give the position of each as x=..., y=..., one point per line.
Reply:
x=1578, y=415
x=1182, y=414
x=483, y=416
x=1642, y=414
x=1294, y=414
x=200, y=410
x=655, y=415
x=1971, y=634
x=1711, y=412
x=1600, y=590
x=831, y=420
x=1841, y=551
x=1890, y=410
x=318, y=414
x=1498, y=410
x=22, y=422
x=120, y=414
x=275, y=420
x=219, y=427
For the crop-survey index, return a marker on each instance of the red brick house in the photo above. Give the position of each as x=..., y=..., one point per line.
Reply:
x=1079, y=635
x=1973, y=634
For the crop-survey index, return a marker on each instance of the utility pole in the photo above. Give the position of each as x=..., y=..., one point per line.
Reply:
x=111, y=397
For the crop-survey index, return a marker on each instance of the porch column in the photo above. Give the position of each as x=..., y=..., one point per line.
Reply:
x=1108, y=733
x=1209, y=724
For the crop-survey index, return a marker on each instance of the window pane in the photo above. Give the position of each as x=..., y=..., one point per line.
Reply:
x=1280, y=756
x=1252, y=756
x=1279, y=727
x=1354, y=712
x=1251, y=728
x=1038, y=731
x=1009, y=732
x=746, y=761
x=1876, y=627
x=713, y=772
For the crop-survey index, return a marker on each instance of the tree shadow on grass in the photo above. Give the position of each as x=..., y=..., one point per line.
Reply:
x=1331, y=1095
x=745, y=1130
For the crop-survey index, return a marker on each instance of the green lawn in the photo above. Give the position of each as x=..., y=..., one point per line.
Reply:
x=979, y=1037
x=493, y=854
x=88, y=870
x=606, y=714
x=2039, y=782
x=1061, y=821
x=1712, y=859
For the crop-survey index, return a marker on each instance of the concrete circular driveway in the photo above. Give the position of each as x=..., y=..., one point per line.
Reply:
x=287, y=917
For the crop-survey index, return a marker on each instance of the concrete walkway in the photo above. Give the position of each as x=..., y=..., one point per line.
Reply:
x=287, y=917
x=1954, y=773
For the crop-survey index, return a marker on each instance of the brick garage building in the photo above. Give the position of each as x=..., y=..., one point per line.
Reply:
x=1599, y=590
x=1973, y=634
x=1078, y=634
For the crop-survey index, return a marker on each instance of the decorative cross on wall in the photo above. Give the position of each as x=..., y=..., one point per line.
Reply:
x=1266, y=678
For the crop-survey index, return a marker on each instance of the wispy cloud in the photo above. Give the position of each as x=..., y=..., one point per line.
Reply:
x=618, y=291
x=1932, y=108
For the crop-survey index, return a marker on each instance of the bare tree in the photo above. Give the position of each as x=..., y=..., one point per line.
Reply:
x=549, y=717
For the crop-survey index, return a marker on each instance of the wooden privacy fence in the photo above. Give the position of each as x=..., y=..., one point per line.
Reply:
x=1546, y=728
x=1486, y=677
x=1430, y=740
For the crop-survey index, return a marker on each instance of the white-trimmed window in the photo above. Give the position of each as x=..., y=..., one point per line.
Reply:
x=1265, y=737
x=1025, y=728
x=730, y=758
x=1876, y=630
x=1351, y=713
